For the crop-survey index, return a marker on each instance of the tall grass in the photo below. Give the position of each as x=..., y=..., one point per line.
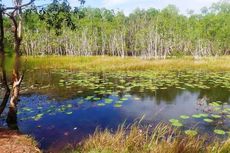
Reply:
x=162, y=139
x=99, y=63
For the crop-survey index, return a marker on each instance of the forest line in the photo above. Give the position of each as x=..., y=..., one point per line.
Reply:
x=59, y=29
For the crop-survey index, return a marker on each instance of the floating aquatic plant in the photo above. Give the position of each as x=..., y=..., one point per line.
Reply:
x=208, y=120
x=101, y=104
x=38, y=117
x=191, y=132
x=220, y=132
x=69, y=113
x=216, y=116
x=176, y=122
x=184, y=117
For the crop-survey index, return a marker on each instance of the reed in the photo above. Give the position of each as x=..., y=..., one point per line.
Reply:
x=161, y=139
x=99, y=63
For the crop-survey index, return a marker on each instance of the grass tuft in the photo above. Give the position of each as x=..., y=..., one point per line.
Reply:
x=161, y=139
x=98, y=63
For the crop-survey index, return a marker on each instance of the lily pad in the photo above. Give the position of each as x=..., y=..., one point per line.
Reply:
x=173, y=120
x=184, y=117
x=203, y=115
x=215, y=104
x=220, y=132
x=191, y=132
x=177, y=124
x=216, y=116
x=117, y=105
x=69, y=113
x=196, y=116
x=89, y=97
x=108, y=101
x=123, y=99
x=101, y=104
x=208, y=120
x=96, y=99
x=38, y=117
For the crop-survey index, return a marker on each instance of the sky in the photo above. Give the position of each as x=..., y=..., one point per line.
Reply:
x=127, y=6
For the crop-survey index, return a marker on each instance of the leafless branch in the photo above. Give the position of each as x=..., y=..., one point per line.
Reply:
x=19, y=6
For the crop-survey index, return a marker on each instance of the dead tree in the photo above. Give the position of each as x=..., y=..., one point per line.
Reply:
x=16, y=18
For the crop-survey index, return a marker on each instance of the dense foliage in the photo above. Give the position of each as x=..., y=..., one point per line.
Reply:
x=61, y=30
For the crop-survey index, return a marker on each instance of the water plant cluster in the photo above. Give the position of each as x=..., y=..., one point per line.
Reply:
x=215, y=114
x=115, y=89
x=142, y=81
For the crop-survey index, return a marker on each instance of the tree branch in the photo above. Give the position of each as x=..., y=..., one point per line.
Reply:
x=19, y=6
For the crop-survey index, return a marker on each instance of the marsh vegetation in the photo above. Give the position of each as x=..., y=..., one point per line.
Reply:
x=153, y=81
x=73, y=99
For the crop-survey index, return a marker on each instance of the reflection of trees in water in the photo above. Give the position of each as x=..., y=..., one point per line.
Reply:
x=169, y=95
x=14, y=13
x=17, y=80
x=215, y=94
x=46, y=82
x=39, y=78
x=12, y=95
x=4, y=85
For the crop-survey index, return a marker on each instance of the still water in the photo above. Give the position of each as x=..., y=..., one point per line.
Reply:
x=62, y=107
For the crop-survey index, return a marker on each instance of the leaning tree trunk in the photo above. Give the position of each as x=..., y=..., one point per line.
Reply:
x=17, y=79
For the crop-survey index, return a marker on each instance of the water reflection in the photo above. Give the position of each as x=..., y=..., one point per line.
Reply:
x=4, y=85
x=60, y=113
x=11, y=96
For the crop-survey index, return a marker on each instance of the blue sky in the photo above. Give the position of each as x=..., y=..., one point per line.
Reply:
x=129, y=5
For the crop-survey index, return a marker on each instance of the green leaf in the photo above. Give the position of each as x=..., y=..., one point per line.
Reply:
x=69, y=113
x=117, y=105
x=177, y=124
x=38, y=117
x=220, y=132
x=191, y=133
x=123, y=99
x=184, y=117
x=108, y=101
x=196, y=116
x=173, y=120
x=208, y=120
x=69, y=106
x=204, y=115
x=216, y=116
x=101, y=104
x=215, y=104
x=89, y=97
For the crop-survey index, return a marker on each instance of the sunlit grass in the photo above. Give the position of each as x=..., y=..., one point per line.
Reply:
x=161, y=139
x=106, y=63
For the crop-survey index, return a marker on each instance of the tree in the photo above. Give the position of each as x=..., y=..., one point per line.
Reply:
x=16, y=18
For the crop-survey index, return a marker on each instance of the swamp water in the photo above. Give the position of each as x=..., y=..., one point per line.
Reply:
x=60, y=108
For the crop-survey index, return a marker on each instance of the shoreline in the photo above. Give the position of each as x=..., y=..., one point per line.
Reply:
x=15, y=142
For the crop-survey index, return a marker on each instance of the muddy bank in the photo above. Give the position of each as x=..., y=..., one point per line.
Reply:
x=15, y=142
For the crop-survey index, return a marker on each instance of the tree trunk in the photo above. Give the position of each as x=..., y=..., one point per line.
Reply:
x=17, y=79
x=1, y=32
x=5, y=85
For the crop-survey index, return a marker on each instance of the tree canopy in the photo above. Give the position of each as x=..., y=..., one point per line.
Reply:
x=62, y=30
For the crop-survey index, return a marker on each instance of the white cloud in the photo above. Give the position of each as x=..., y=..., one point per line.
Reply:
x=110, y=3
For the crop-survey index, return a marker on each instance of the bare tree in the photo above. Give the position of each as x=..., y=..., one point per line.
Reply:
x=15, y=14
